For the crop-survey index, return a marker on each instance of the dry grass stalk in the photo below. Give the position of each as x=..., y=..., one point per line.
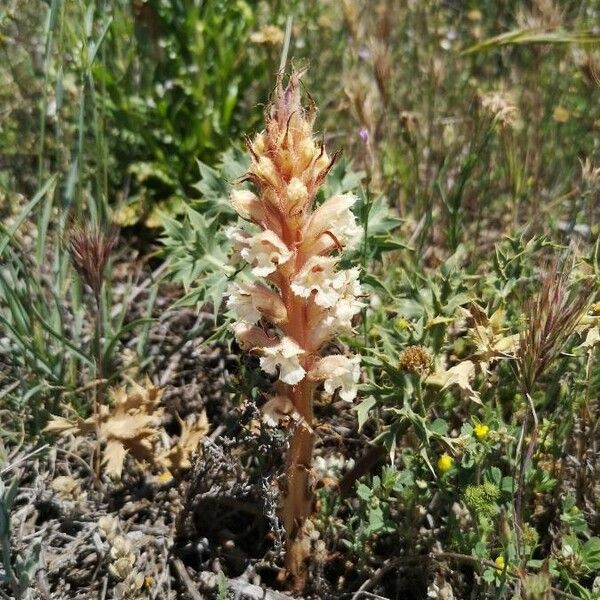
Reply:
x=551, y=318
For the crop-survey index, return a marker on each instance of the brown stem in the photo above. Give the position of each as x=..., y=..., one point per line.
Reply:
x=99, y=389
x=299, y=498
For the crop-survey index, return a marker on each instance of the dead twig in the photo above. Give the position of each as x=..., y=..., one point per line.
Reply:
x=187, y=580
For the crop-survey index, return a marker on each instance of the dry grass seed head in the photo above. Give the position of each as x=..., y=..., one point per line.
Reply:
x=90, y=249
x=551, y=317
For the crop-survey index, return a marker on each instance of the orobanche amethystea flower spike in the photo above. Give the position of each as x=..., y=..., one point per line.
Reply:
x=301, y=299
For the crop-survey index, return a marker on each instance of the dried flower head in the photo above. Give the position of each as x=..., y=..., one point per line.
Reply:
x=268, y=35
x=382, y=65
x=500, y=107
x=90, y=249
x=415, y=359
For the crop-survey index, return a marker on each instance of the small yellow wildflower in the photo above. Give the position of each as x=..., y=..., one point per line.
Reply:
x=481, y=430
x=165, y=477
x=445, y=463
x=500, y=564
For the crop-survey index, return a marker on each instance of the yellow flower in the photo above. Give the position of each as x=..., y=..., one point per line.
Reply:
x=445, y=463
x=480, y=430
x=500, y=564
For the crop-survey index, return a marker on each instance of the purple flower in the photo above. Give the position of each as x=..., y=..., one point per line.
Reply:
x=363, y=134
x=364, y=53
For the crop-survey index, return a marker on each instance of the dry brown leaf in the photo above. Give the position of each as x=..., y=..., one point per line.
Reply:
x=130, y=425
x=67, y=487
x=63, y=426
x=487, y=335
x=178, y=457
x=461, y=375
x=591, y=339
x=113, y=459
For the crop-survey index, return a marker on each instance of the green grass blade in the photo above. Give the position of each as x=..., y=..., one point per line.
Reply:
x=534, y=36
x=25, y=212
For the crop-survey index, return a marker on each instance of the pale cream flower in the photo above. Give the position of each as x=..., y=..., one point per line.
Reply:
x=240, y=302
x=248, y=205
x=252, y=338
x=278, y=408
x=251, y=302
x=319, y=275
x=239, y=240
x=285, y=356
x=338, y=372
x=331, y=224
x=265, y=252
x=348, y=304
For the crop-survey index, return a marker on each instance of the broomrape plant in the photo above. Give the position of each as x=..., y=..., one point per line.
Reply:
x=300, y=299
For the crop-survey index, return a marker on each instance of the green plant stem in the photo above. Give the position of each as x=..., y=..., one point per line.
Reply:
x=524, y=454
x=8, y=570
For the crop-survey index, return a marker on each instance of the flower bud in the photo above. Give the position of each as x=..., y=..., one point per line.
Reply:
x=331, y=225
x=264, y=169
x=247, y=205
x=297, y=194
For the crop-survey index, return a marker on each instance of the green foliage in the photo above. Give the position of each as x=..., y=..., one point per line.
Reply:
x=20, y=571
x=178, y=93
x=482, y=499
x=135, y=111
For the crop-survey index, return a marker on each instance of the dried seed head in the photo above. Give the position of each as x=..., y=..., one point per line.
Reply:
x=269, y=35
x=590, y=174
x=500, y=107
x=415, y=359
x=551, y=317
x=90, y=250
x=382, y=65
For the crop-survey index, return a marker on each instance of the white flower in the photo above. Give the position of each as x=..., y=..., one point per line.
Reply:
x=325, y=322
x=285, y=356
x=239, y=240
x=348, y=304
x=318, y=275
x=252, y=338
x=278, y=408
x=338, y=372
x=331, y=224
x=251, y=302
x=265, y=251
x=241, y=303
